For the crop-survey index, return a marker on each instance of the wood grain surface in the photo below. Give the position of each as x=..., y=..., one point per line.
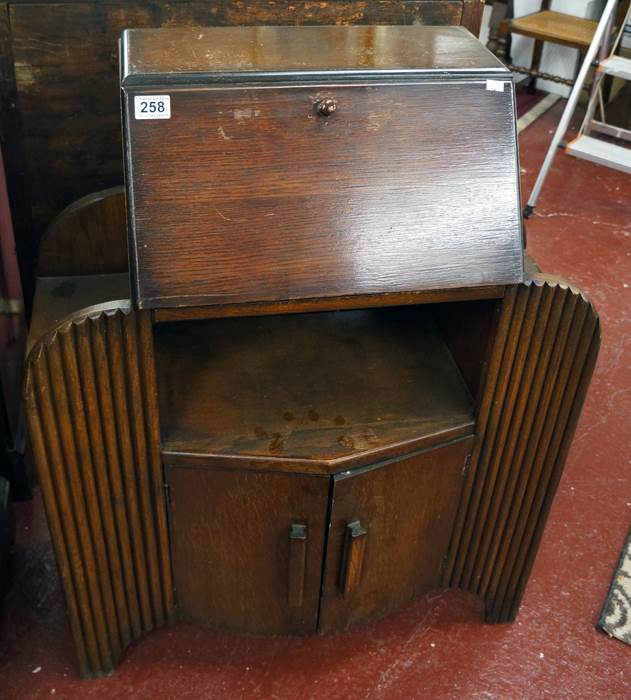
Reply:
x=543, y=355
x=91, y=407
x=159, y=56
x=329, y=388
x=393, y=192
x=353, y=301
x=557, y=27
x=231, y=547
x=59, y=100
x=407, y=508
x=89, y=237
x=468, y=329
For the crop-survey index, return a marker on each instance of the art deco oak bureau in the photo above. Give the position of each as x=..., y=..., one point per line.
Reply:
x=332, y=381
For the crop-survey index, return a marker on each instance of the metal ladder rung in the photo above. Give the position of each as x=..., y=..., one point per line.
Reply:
x=601, y=152
x=584, y=146
x=616, y=132
x=617, y=66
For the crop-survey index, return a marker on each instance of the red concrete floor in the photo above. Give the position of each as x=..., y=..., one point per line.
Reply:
x=439, y=647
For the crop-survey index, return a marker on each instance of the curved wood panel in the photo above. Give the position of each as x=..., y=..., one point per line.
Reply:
x=544, y=353
x=91, y=406
x=89, y=237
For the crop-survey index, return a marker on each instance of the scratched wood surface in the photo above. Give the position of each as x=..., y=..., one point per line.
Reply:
x=59, y=102
x=312, y=387
x=319, y=210
x=165, y=54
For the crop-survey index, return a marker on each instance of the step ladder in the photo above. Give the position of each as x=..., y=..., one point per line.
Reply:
x=585, y=145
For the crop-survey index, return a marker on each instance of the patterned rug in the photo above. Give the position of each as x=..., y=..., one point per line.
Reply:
x=615, y=618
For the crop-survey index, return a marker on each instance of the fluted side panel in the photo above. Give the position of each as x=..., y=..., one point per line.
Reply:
x=92, y=412
x=544, y=352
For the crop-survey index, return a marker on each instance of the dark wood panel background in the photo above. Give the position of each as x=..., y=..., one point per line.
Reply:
x=59, y=103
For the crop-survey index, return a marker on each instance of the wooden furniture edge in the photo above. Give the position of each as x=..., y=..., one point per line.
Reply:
x=84, y=223
x=95, y=310
x=541, y=362
x=31, y=208
x=506, y=27
x=92, y=412
x=360, y=301
x=318, y=467
x=471, y=18
x=14, y=156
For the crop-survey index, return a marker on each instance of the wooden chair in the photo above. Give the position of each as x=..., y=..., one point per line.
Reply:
x=545, y=25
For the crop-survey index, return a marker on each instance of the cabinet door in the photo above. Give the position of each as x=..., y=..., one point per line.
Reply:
x=390, y=529
x=247, y=548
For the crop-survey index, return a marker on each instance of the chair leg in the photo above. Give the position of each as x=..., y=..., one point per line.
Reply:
x=531, y=85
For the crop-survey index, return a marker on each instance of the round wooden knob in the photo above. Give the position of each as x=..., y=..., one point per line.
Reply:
x=326, y=106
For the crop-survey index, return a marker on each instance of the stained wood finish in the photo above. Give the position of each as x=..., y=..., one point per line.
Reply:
x=231, y=552
x=468, y=329
x=543, y=355
x=407, y=508
x=249, y=547
x=556, y=27
x=355, y=301
x=353, y=557
x=318, y=392
x=93, y=419
x=59, y=114
x=88, y=238
x=309, y=216
x=161, y=56
x=58, y=298
x=297, y=564
x=90, y=400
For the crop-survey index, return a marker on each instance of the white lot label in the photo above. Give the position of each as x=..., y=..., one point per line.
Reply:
x=152, y=106
x=495, y=85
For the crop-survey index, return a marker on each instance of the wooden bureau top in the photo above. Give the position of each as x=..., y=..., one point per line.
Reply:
x=151, y=56
x=267, y=164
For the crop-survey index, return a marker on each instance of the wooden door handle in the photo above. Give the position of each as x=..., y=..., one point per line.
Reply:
x=297, y=564
x=353, y=557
